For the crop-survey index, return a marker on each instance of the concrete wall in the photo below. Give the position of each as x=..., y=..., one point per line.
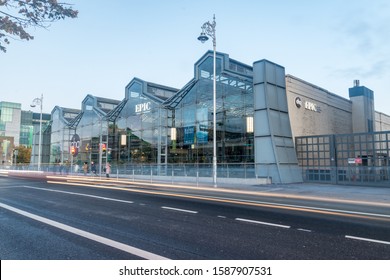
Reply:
x=382, y=122
x=363, y=109
x=316, y=111
x=275, y=155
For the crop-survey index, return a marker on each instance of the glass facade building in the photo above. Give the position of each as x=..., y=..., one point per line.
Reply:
x=91, y=128
x=192, y=114
x=138, y=127
x=27, y=129
x=160, y=130
x=10, y=118
x=61, y=118
x=22, y=127
x=45, y=140
x=156, y=130
x=160, y=125
x=88, y=126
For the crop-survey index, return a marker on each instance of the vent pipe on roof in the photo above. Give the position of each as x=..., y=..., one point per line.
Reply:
x=356, y=83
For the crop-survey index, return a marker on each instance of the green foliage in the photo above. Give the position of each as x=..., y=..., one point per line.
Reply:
x=24, y=154
x=17, y=15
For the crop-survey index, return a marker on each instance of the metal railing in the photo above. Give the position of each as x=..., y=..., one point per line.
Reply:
x=225, y=170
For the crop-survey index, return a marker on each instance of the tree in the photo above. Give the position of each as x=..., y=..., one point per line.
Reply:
x=17, y=15
x=24, y=154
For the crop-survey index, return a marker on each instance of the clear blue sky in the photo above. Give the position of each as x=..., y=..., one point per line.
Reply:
x=327, y=43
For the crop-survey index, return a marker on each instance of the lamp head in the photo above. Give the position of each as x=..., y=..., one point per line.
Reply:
x=203, y=37
x=36, y=101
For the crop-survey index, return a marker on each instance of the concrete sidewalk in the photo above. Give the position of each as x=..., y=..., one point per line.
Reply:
x=349, y=192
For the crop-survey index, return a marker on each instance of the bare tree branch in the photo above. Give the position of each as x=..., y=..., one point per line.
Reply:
x=17, y=15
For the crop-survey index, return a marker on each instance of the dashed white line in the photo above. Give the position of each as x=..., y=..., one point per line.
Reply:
x=305, y=230
x=180, y=210
x=88, y=235
x=82, y=194
x=114, y=243
x=262, y=223
x=367, y=239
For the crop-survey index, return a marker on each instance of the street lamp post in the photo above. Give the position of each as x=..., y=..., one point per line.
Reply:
x=208, y=29
x=35, y=102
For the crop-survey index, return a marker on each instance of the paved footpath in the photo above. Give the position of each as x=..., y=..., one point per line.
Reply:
x=349, y=192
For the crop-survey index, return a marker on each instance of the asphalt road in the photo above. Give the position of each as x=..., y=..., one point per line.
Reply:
x=53, y=218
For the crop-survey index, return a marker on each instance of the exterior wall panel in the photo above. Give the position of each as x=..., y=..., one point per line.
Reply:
x=274, y=155
x=315, y=111
x=382, y=122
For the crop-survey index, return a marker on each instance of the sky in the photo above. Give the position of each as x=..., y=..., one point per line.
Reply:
x=327, y=43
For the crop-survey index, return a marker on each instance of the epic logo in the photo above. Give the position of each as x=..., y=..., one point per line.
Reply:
x=298, y=102
x=311, y=106
x=307, y=105
x=143, y=107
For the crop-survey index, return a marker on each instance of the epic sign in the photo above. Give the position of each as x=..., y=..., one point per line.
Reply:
x=307, y=104
x=311, y=106
x=143, y=107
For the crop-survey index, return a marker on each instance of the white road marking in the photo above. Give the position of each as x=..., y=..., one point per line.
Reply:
x=367, y=239
x=262, y=223
x=305, y=230
x=121, y=246
x=240, y=201
x=180, y=210
x=312, y=208
x=82, y=194
x=222, y=217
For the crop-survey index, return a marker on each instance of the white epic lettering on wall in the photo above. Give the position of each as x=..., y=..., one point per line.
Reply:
x=143, y=107
x=307, y=104
x=312, y=106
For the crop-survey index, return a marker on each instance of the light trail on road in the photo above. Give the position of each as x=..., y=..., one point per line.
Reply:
x=317, y=210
